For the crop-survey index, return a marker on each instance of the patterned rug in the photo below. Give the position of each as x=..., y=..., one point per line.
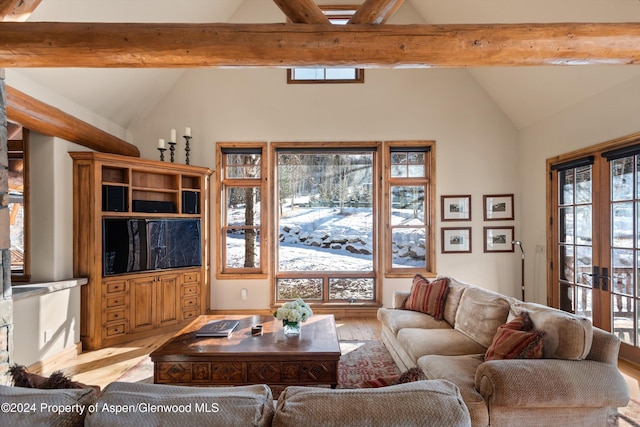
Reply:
x=629, y=416
x=360, y=361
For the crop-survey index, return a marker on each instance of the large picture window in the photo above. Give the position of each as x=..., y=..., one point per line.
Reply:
x=326, y=224
x=334, y=219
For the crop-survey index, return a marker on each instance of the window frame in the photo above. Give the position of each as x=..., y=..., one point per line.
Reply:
x=376, y=273
x=333, y=12
x=222, y=185
x=428, y=181
x=358, y=79
x=19, y=149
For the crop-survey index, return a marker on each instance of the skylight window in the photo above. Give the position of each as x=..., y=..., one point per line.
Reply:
x=338, y=16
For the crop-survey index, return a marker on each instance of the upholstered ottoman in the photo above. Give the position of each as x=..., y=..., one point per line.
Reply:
x=419, y=403
x=140, y=404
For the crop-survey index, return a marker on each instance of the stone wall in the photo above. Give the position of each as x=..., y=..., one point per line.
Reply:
x=6, y=302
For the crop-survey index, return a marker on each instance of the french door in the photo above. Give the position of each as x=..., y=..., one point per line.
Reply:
x=594, y=238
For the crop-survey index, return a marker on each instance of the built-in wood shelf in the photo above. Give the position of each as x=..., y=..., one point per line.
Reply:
x=122, y=307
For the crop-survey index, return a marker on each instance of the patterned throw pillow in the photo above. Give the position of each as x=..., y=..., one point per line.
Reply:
x=428, y=297
x=413, y=374
x=516, y=340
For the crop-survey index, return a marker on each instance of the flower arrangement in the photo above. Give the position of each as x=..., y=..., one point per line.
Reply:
x=293, y=312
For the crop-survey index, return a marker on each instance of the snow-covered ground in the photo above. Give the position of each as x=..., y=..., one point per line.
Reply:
x=323, y=239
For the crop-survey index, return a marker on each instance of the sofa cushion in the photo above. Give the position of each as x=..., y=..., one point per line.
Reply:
x=460, y=370
x=420, y=403
x=516, y=340
x=428, y=296
x=448, y=342
x=398, y=319
x=567, y=336
x=38, y=407
x=186, y=406
x=480, y=313
x=452, y=303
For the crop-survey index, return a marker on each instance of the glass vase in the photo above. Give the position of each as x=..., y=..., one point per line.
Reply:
x=291, y=328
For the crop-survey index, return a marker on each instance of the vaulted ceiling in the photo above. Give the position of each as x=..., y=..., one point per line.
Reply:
x=526, y=94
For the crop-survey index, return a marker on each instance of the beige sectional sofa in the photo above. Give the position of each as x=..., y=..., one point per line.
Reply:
x=575, y=383
x=422, y=403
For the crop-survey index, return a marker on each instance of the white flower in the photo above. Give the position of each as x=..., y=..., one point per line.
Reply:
x=294, y=311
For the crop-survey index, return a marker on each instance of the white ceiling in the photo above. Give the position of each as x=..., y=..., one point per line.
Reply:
x=525, y=94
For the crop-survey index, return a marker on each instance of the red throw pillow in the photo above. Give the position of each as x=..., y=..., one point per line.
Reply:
x=516, y=340
x=428, y=297
x=413, y=374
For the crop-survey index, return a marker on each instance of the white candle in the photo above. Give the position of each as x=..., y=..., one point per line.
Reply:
x=173, y=136
x=187, y=131
x=161, y=143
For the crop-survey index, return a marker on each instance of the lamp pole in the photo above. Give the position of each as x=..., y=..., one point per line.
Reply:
x=519, y=243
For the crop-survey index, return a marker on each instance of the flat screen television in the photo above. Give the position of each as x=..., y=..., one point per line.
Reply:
x=134, y=245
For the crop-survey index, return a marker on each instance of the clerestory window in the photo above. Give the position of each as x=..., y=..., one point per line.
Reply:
x=338, y=15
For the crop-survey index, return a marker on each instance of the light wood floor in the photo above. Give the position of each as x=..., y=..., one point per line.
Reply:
x=101, y=367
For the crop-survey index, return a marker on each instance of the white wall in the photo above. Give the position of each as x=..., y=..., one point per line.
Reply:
x=609, y=115
x=51, y=192
x=58, y=313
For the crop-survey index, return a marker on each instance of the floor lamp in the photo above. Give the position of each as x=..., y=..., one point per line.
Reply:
x=519, y=243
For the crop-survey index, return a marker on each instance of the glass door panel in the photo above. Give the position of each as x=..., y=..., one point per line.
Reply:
x=595, y=239
x=624, y=247
x=575, y=239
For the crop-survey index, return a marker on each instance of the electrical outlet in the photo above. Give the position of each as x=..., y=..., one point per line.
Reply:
x=244, y=293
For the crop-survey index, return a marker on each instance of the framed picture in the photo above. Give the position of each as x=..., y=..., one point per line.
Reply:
x=498, y=239
x=498, y=207
x=456, y=240
x=456, y=208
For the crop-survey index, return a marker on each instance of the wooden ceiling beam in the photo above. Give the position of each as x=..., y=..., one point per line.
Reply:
x=47, y=120
x=17, y=10
x=375, y=11
x=138, y=45
x=302, y=11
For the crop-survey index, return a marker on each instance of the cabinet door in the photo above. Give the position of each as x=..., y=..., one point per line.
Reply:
x=168, y=298
x=143, y=305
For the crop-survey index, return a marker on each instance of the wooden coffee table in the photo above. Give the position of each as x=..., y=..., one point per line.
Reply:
x=271, y=358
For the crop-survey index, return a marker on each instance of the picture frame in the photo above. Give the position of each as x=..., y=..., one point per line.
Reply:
x=498, y=207
x=455, y=208
x=498, y=239
x=456, y=240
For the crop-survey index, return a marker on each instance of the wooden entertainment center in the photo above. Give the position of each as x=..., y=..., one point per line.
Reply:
x=133, y=303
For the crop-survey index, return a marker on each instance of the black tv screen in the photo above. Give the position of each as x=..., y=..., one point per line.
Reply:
x=132, y=245
x=174, y=243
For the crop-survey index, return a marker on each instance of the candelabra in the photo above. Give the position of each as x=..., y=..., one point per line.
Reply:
x=187, y=138
x=172, y=150
x=162, y=150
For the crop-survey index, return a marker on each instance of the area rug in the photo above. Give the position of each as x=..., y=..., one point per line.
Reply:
x=360, y=361
x=629, y=416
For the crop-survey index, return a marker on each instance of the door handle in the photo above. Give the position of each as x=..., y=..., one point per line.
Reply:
x=604, y=279
x=596, y=277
